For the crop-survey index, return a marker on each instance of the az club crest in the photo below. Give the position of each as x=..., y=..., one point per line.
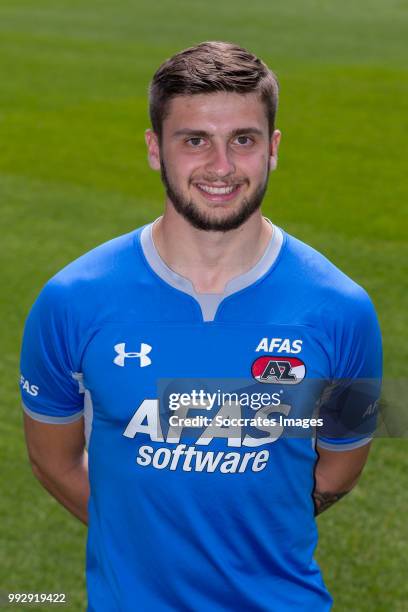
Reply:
x=274, y=369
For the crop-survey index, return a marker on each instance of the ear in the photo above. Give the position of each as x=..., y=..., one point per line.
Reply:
x=274, y=146
x=153, y=149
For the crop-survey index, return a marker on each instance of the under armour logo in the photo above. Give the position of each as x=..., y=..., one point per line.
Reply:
x=122, y=355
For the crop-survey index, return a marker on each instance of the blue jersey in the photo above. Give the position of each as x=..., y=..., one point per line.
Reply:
x=201, y=498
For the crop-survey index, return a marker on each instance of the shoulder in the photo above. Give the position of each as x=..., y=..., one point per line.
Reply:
x=87, y=287
x=107, y=260
x=334, y=303
x=314, y=275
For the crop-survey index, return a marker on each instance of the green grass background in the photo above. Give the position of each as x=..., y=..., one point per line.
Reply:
x=73, y=173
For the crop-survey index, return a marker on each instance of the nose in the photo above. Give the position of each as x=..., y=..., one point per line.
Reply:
x=220, y=162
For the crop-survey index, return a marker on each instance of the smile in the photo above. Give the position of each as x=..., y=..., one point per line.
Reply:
x=217, y=190
x=219, y=193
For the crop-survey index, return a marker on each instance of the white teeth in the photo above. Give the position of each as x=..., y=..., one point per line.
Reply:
x=217, y=190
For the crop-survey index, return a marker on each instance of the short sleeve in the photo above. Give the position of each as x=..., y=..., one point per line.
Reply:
x=49, y=381
x=349, y=406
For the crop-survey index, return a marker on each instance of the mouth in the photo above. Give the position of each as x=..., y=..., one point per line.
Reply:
x=218, y=193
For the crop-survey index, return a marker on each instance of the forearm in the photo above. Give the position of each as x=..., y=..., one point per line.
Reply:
x=70, y=488
x=324, y=498
x=336, y=474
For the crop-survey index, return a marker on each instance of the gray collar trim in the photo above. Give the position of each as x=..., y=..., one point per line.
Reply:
x=209, y=302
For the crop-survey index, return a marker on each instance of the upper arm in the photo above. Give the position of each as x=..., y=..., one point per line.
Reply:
x=51, y=393
x=349, y=404
x=54, y=449
x=50, y=381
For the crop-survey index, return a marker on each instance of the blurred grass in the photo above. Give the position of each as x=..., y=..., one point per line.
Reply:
x=73, y=173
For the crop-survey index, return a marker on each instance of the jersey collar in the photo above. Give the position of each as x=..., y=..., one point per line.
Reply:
x=209, y=302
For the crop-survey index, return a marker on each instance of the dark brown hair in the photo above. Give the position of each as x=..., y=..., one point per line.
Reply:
x=207, y=68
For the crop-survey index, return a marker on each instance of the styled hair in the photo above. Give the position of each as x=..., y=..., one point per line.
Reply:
x=207, y=68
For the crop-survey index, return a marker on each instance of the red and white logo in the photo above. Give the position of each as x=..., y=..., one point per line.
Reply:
x=274, y=369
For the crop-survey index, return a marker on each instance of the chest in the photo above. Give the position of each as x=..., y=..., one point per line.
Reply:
x=126, y=364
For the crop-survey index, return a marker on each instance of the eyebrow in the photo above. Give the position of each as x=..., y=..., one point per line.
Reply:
x=203, y=133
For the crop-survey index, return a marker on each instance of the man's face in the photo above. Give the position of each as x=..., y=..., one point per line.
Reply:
x=214, y=157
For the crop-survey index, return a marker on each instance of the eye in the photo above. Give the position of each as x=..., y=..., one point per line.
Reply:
x=195, y=142
x=243, y=140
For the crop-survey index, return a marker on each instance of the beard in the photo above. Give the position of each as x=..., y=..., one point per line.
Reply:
x=200, y=220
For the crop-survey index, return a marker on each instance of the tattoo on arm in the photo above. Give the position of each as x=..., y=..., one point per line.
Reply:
x=323, y=500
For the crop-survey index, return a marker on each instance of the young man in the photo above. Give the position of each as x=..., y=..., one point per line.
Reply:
x=215, y=513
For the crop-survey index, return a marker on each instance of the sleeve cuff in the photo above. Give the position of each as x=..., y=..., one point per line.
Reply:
x=342, y=445
x=52, y=420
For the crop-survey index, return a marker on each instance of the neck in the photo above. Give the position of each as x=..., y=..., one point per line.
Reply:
x=210, y=259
